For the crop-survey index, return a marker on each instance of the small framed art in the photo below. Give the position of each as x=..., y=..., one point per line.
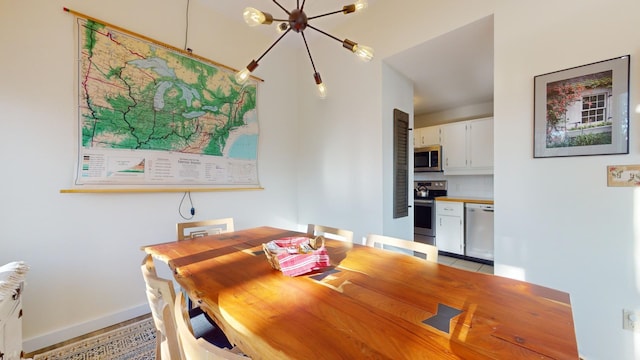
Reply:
x=623, y=175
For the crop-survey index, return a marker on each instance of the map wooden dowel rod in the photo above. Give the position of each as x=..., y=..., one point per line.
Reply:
x=151, y=190
x=184, y=52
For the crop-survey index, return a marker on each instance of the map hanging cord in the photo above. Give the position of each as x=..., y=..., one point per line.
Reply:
x=192, y=210
x=186, y=30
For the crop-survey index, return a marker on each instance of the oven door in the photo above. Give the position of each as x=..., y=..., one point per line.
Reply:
x=424, y=218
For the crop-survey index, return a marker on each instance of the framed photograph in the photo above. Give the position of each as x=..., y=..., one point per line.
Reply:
x=582, y=110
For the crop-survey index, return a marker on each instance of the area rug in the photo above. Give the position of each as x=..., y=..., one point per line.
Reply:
x=136, y=341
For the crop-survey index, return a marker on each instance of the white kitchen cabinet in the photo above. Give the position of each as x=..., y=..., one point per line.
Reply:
x=454, y=146
x=467, y=147
x=426, y=136
x=417, y=137
x=450, y=226
x=481, y=145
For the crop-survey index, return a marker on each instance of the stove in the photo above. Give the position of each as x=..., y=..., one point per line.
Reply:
x=429, y=190
x=424, y=209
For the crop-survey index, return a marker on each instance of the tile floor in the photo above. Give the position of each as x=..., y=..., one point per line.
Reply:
x=465, y=264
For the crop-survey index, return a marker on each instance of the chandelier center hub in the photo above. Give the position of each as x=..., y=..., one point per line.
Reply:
x=298, y=20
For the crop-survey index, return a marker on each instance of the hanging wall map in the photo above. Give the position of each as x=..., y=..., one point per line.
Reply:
x=152, y=115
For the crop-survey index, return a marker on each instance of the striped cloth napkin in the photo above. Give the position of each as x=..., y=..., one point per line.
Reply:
x=294, y=263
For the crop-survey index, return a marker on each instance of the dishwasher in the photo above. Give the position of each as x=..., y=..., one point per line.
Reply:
x=479, y=231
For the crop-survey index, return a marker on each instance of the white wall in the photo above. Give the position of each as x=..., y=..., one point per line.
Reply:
x=340, y=162
x=559, y=225
x=397, y=93
x=354, y=129
x=84, y=249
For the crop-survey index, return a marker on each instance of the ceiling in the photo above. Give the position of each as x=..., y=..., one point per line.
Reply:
x=448, y=71
x=233, y=9
x=451, y=70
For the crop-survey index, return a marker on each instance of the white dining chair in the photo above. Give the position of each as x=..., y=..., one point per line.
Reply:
x=194, y=229
x=161, y=296
x=330, y=232
x=194, y=348
x=389, y=243
x=12, y=276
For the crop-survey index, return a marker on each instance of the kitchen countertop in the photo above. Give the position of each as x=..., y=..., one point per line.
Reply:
x=466, y=199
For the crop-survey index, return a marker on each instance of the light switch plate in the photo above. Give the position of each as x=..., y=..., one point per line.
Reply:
x=631, y=320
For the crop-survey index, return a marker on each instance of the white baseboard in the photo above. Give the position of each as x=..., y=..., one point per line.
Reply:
x=58, y=336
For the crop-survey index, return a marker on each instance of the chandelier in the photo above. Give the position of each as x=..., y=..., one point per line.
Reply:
x=298, y=21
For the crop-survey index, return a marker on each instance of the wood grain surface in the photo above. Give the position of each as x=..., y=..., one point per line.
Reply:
x=372, y=306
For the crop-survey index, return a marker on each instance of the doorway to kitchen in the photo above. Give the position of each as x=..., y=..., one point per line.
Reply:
x=452, y=76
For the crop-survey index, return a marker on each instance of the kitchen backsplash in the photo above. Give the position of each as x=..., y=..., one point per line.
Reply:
x=462, y=185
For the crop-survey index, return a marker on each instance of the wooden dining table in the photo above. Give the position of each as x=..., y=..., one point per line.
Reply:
x=369, y=304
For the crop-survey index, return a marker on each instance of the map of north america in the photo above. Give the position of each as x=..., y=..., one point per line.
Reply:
x=138, y=95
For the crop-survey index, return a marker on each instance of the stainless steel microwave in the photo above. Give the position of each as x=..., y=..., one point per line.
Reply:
x=428, y=158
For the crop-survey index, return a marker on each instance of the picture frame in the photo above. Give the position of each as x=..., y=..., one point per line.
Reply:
x=582, y=110
x=623, y=175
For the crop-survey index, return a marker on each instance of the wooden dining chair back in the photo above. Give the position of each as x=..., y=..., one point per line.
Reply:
x=429, y=252
x=194, y=229
x=330, y=232
x=161, y=296
x=198, y=349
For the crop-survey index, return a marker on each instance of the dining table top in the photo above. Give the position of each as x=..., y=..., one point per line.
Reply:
x=370, y=303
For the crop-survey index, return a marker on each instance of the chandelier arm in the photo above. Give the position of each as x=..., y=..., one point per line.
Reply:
x=309, y=52
x=272, y=45
x=327, y=14
x=281, y=7
x=324, y=32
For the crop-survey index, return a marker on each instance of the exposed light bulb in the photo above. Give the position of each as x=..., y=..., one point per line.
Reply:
x=242, y=76
x=357, y=7
x=361, y=5
x=253, y=17
x=365, y=53
x=322, y=88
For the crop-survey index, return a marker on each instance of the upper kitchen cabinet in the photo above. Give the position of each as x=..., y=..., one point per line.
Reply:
x=426, y=136
x=467, y=147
